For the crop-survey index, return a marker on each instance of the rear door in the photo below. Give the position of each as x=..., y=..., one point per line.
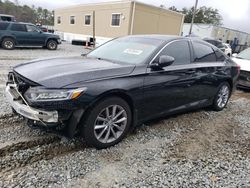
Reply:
x=210, y=67
x=19, y=32
x=171, y=88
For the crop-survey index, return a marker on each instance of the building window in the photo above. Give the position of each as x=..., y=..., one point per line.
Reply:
x=115, y=19
x=59, y=20
x=72, y=19
x=87, y=19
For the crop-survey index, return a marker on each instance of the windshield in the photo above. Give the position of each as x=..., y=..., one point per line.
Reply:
x=245, y=54
x=132, y=50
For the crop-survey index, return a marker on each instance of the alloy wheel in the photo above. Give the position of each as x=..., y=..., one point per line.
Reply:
x=110, y=123
x=8, y=44
x=223, y=96
x=52, y=45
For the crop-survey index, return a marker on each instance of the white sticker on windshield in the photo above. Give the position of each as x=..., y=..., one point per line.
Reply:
x=133, y=51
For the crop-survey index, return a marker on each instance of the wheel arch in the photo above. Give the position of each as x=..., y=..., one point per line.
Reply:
x=4, y=37
x=48, y=39
x=113, y=93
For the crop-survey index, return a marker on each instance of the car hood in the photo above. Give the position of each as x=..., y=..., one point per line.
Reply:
x=64, y=71
x=51, y=35
x=243, y=63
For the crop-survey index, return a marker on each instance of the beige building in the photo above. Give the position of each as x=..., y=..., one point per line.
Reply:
x=113, y=19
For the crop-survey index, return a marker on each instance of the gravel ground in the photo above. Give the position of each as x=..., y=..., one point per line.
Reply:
x=197, y=149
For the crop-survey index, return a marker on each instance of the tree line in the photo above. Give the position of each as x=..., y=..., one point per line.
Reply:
x=25, y=13
x=205, y=15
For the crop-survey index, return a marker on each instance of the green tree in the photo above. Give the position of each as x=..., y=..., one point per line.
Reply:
x=206, y=15
x=26, y=13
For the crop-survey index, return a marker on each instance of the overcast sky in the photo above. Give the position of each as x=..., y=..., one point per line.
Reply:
x=235, y=13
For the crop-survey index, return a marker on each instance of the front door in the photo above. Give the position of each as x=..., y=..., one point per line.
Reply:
x=171, y=88
x=36, y=37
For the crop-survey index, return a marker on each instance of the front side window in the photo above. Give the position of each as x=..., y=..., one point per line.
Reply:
x=115, y=19
x=127, y=50
x=179, y=50
x=72, y=19
x=31, y=28
x=203, y=53
x=59, y=20
x=87, y=19
x=18, y=27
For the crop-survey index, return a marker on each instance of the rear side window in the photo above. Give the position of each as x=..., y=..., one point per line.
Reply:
x=203, y=53
x=179, y=50
x=18, y=27
x=4, y=26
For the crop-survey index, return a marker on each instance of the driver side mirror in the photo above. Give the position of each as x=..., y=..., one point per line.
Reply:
x=164, y=61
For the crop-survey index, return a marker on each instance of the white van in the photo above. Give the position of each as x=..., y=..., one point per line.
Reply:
x=7, y=18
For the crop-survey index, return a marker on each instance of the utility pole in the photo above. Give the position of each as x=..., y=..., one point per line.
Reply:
x=193, y=17
x=94, y=40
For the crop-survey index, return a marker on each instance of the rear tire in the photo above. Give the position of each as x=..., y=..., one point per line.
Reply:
x=52, y=45
x=222, y=97
x=103, y=126
x=8, y=43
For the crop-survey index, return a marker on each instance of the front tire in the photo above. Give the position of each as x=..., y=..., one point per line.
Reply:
x=222, y=96
x=8, y=44
x=107, y=123
x=52, y=45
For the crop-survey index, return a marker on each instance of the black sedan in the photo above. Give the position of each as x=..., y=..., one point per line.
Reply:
x=121, y=84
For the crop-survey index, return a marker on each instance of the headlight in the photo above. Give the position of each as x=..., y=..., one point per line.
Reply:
x=41, y=94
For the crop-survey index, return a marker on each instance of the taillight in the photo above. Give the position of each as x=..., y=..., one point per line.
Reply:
x=238, y=69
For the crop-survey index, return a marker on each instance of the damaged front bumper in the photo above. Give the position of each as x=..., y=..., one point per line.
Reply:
x=23, y=109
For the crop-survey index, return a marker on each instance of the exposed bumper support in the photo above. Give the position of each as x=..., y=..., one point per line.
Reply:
x=26, y=111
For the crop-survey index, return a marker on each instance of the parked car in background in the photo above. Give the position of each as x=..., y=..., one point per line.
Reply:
x=121, y=84
x=44, y=29
x=216, y=43
x=13, y=34
x=7, y=18
x=243, y=60
x=228, y=49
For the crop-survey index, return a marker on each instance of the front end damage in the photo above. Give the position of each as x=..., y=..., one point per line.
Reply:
x=52, y=118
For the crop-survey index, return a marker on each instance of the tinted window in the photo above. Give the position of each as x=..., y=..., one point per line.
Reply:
x=173, y=49
x=18, y=27
x=203, y=53
x=3, y=26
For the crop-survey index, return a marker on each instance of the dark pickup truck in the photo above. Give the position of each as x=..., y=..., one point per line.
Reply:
x=14, y=34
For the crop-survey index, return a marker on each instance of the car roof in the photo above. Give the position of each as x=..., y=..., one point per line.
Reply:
x=6, y=15
x=169, y=38
x=16, y=22
x=166, y=38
